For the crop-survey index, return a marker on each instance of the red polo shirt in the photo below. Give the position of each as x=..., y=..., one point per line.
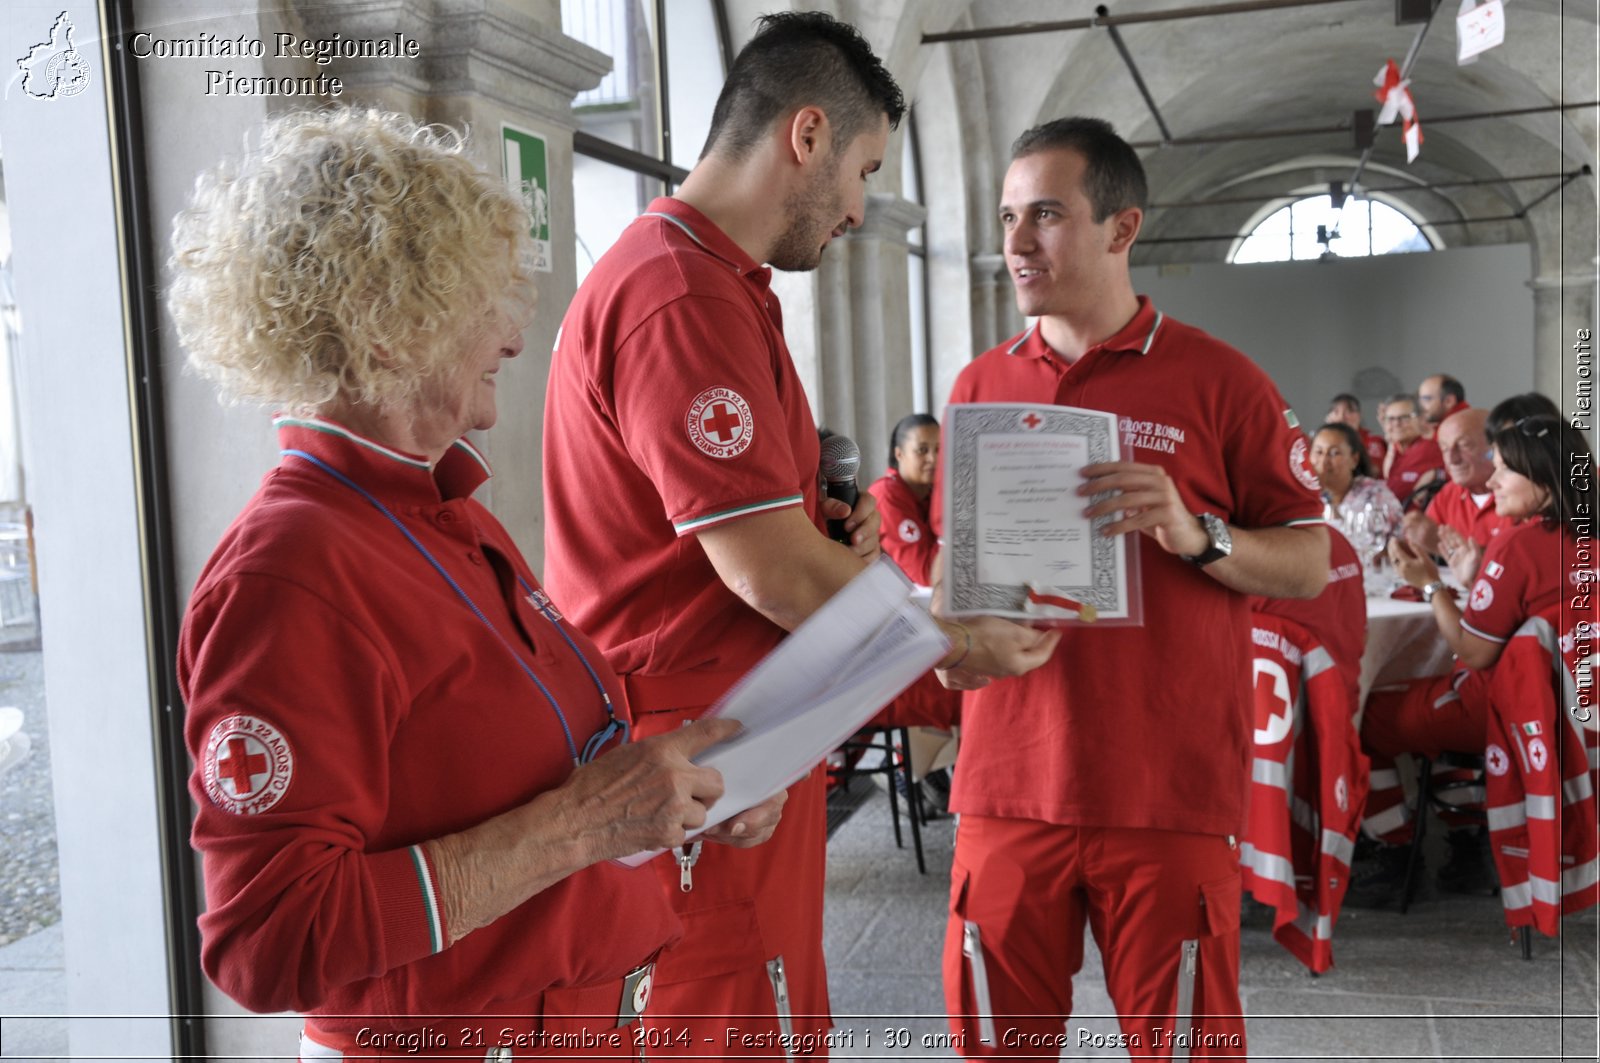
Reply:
x=647, y=416
x=346, y=705
x=1454, y=505
x=1376, y=446
x=904, y=530
x=1525, y=571
x=1419, y=457
x=1144, y=726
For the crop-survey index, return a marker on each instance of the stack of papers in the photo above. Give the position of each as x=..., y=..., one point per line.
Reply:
x=831, y=675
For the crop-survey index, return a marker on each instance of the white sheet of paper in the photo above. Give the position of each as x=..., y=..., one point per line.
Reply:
x=1030, y=522
x=1478, y=30
x=818, y=687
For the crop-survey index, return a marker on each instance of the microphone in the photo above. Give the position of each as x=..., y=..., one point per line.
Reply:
x=841, y=460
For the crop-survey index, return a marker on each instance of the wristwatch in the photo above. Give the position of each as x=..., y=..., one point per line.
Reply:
x=1430, y=589
x=1221, y=544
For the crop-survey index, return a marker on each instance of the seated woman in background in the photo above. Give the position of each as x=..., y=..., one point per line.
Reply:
x=1354, y=501
x=1523, y=568
x=1522, y=573
x=411, y=776
x=903, y=494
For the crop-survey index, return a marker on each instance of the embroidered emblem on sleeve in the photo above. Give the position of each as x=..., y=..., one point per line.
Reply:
x=247, y=765
x=1300, y=465
x=909, y=532
x=1496, y=761
x=719, y=423
x=1494, y=570
x=1482, y=596
x=1538, y=756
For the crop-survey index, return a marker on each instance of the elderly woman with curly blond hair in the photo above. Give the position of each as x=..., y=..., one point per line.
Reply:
x=412, y=775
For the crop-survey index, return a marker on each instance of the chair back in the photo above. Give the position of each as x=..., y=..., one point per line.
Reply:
x=1307, y=790
x=1541, y=764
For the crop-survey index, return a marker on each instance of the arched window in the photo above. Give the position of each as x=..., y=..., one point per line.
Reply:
x=1311, y=228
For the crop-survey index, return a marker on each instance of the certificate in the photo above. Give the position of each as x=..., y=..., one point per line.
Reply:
x=1016, y=541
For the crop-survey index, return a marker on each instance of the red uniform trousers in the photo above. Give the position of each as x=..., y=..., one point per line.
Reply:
x=1163, y=907
x=752, y=921
x=572, y=1022
x=1427, y=716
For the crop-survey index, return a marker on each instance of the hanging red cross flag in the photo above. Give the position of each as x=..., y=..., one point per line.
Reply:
x=1394, y=93
x=1479, y=27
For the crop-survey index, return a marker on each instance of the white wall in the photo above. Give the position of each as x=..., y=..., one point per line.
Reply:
x=79, y=455
x=1313, y=326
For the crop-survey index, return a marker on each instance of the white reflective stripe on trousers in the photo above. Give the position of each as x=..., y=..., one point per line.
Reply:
x=310, y=1050
x=972, y=949
x=1188, y=961
x=780, y=1001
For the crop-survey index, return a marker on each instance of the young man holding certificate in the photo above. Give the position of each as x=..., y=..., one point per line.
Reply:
x=1109, y=786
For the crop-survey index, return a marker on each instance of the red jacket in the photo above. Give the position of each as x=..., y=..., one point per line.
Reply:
x=1308, y=786
x=1541, y=781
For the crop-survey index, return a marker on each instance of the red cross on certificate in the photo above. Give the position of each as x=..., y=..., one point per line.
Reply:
x=241, y=766
x=1032, y=420
x=722, y=422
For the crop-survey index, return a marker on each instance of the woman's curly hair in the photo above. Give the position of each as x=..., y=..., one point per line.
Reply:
x=348, y=257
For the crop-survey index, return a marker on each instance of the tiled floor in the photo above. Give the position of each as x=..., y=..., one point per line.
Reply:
x=1440, y=983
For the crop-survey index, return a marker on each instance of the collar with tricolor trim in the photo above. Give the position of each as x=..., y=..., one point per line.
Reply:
x=394, y=474
x=703, y=231
x=1136, y=337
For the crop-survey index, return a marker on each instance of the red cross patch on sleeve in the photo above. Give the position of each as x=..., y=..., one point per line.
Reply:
x=719, y=423
x=247, y=765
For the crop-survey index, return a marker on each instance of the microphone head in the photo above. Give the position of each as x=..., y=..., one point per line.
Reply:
x=841, y=459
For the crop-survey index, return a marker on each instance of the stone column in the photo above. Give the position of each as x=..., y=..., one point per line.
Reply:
x=484, y=64
x=1564, y=290
x=865, y=344
x=1564, y=345
x=989, y=296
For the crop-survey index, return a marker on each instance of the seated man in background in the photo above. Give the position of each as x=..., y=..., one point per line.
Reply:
x=1346, y=409
x=1413, y=462
x=1462, y=515
x=1439, y=397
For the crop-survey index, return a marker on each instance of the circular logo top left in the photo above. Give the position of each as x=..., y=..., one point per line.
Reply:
x=54, y=68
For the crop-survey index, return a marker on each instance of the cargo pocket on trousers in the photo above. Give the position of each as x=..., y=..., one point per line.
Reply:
x=1219, y=916
x=716, y=940
x=974, y=972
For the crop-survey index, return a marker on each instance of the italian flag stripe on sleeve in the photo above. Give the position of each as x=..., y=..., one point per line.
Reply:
x=430, y=898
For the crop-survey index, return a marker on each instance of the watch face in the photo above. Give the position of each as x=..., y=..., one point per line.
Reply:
x=1221, y=537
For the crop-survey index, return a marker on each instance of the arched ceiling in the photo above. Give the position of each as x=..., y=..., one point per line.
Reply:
x=1296, y=68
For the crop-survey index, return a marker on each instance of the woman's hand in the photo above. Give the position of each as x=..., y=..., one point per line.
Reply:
x=1464, y=555
x=752, y=826
x=1411, y=564
x=643, y=795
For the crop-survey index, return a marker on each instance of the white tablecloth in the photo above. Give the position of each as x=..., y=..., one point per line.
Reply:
x=1403, y=642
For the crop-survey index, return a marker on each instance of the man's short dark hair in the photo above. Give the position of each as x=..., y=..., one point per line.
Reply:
x=1344, y=398
x=799, y=59
x=1114, y=177
x=1449, y=385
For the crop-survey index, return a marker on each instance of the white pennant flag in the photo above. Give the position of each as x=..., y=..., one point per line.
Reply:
x=1479, y=27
